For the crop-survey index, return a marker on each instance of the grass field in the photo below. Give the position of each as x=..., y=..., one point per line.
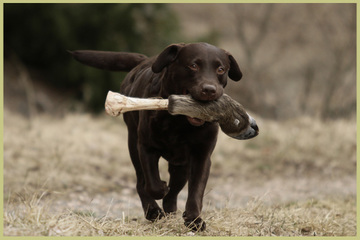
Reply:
x=72, y=176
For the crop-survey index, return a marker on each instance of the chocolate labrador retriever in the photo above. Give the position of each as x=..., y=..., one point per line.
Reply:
x=198, y=69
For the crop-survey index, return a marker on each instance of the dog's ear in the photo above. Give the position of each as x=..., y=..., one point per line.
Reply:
x=234, y=72
x=113, y=61
x=167, y=56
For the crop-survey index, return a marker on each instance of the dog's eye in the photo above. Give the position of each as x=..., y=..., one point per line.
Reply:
x=220, y=70
x=194, y=67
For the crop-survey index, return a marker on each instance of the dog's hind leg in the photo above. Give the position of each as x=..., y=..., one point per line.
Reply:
x=178, y=178
x=149, y=159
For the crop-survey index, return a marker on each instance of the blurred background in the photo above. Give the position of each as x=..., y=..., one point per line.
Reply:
x=297, y=59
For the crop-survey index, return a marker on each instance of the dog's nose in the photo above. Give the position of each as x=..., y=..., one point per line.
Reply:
x=208, y=91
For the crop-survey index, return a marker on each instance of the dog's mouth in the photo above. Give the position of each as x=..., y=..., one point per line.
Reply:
x=193, y=121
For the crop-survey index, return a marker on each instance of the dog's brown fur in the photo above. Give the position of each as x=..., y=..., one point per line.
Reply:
x=198, y=69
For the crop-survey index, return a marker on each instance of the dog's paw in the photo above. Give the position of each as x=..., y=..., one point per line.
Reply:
x=154, y=214
x=170, y=204
x=195, y=225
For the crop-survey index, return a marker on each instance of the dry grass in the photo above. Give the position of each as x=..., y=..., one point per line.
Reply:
x=73, y=176
x=312, y=218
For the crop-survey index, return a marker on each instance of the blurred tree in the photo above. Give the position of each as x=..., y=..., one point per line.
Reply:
x=39, y=35
x=302, y=58
x=338, y=35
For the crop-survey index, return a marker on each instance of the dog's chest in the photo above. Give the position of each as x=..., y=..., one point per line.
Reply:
x=172, y=132
x=176, y=140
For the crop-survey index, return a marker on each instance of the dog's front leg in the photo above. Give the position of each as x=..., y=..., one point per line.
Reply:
x=199, y=174
x=149, y=159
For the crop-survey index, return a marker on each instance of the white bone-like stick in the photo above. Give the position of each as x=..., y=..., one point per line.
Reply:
x=117, y=104
x=231, y=116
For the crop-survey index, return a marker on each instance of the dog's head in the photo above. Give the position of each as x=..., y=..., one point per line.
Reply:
x=198, y=69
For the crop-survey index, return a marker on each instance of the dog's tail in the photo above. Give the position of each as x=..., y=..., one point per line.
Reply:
x=113, y=61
